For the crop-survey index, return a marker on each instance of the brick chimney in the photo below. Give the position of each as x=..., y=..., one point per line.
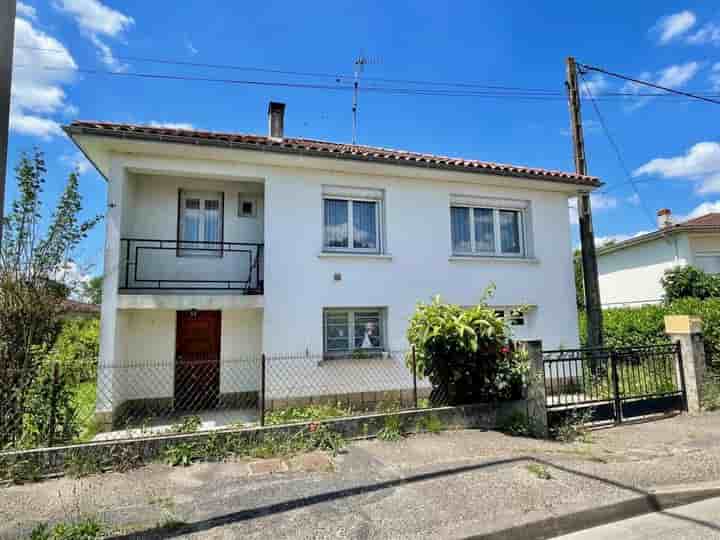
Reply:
x=664, y=218
x=276, y=120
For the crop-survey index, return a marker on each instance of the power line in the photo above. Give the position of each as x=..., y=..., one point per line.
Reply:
x=616, y=148
x=339, y=78
x=647, y=83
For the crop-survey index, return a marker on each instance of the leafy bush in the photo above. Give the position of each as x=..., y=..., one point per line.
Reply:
x=630, y=327
x=392, y=430
x=689, y=282
x=465, y=352
x=86, y=529
x=709, y=311
x=77, y=348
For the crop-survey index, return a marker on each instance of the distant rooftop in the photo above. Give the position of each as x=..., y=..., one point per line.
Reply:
x=292, y=145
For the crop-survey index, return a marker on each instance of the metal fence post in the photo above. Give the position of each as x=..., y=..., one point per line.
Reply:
x=262, y=390
x=54, y=389
x=414, y=370
x=616, y=388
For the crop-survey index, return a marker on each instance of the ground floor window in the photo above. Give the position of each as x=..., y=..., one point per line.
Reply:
x=513, y=317
x=348, y=331
x=708, y=262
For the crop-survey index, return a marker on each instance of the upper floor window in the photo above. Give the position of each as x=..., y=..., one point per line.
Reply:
x=708, y=262
x=200, y=225
x=352, y=220
x=487, y=231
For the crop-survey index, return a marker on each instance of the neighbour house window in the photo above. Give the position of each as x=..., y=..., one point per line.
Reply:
x=352, y=220
x=349, y=331
x=200, y=226
x=487, y=231
x=708, y=262
x=513, y=317
x=247, y=206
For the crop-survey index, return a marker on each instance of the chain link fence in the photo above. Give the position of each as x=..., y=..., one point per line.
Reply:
x=58, y=403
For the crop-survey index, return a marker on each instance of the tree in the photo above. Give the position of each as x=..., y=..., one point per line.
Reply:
x=92, y=290
x=31, y=263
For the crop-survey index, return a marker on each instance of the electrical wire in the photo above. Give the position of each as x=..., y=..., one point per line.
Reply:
x=616, y=148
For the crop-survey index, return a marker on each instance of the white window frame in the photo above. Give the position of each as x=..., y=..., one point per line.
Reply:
x=522, y=220
x=375, y=351
x=217, y=245
x=511, y=316
x=351, y=240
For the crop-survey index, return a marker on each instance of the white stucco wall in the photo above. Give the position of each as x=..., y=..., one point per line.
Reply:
x=299, y=283
x=631, y=276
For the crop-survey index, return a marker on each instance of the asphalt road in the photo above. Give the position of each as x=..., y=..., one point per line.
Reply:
x=696, y=521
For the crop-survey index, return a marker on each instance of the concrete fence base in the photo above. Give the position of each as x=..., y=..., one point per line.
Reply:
x=53, y=461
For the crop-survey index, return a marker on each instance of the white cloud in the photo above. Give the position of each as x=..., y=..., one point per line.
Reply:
x=172, y=125
x=634, y=199
x=701, y=164
x=673, y=26
x=190, y=47
x=708, y=207
x=598, y=202
x=709, y=33
x=96, y=19
x=77, y=161
x=615, y=238
x=675, y=76
x=37, y=86
x=106, y=56
x=593, y=86
x=715, y=77
x=26, y=10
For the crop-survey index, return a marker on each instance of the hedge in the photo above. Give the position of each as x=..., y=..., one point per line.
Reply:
x=631, y=327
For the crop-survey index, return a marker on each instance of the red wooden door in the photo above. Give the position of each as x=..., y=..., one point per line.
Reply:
x=197, y=360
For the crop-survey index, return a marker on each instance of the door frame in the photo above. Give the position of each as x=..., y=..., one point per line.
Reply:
x=178, y=326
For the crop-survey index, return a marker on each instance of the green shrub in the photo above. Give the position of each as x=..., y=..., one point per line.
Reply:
x=709, y=311
x=86, y=529
x=689, y=282
x=465, y=352
x=711, y=391
x=77, y=348
x=516, y=424
x=630, y=327
x=392, y=430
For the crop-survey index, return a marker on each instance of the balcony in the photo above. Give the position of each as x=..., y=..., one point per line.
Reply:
x=149, y=265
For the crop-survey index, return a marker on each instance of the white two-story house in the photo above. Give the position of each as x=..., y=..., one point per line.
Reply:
x=221, y=247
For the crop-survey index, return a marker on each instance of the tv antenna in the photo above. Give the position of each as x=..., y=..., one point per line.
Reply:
x=360, y=63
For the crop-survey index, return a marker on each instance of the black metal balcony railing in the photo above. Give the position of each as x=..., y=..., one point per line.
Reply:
x=191, y=265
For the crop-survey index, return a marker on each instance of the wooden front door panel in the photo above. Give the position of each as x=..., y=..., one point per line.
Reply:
x=197, y=360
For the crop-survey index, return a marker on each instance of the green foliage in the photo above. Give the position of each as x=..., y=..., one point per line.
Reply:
x=32, y=260
x=187, y=424
x=92, y=290
x=579, y=283
x=575, y=427
x=516, y=424
x=51, y=415
x=465, y=352
x=392, y=430
x=630, y=327
x=86, y=529
x=711, y=391
x=429, y=424
x=77, y=348
x=709, y=311
x=80, y=464
x=689, y=282
x=181, y=454
x=293, y=415
x=540, y=471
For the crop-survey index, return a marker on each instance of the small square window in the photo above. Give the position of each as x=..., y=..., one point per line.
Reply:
x=247, y=207
x=354, y=332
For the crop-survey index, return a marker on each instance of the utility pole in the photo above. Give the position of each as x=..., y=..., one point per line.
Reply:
x=7, y=38
x=587, y=236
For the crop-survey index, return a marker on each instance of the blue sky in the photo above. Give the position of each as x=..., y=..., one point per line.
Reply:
x=669, y=144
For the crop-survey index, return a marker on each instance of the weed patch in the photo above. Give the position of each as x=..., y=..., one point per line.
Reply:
x=429, y=424
x=539, y=471
x=574, y=428
x=392, y=430
x=86, y=529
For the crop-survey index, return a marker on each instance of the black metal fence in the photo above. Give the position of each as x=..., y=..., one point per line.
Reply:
x=57, y=405
x=614, y=383
x=148, y=263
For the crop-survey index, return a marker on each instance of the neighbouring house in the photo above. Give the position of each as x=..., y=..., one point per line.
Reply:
x=220, y=247
x=74, y=309
x=630, y=271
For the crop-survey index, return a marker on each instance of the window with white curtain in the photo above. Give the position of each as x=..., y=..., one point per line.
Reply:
x=354, y=330
x=201, y=223
x=352, y=220
x=487, y=231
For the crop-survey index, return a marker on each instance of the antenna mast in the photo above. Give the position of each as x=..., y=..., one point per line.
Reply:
x=360, y=63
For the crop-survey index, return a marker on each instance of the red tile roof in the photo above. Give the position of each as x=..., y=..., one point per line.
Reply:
x=708, y=220
x=322, y=149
